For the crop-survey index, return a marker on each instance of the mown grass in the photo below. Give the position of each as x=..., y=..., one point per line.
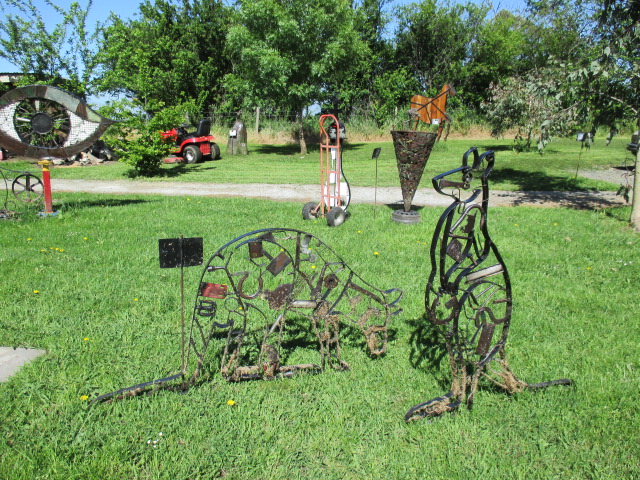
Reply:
x=282, y=164
x=108, y=317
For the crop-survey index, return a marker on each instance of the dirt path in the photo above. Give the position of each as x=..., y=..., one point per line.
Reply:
x=306, y=193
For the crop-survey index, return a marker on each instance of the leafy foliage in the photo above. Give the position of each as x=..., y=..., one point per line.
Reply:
x=531, y=105
x=290, y=55
x=171, y=54
x=136, y=137
x=65, y=54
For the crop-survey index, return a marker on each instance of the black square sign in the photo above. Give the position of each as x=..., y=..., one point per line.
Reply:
x=180, y=252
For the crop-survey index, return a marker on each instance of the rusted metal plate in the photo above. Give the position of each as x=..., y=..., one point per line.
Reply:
x=278, y=264
x=213, y=290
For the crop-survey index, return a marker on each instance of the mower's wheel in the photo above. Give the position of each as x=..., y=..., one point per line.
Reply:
x=192, y=154
x=336, y=217
x=307, y=211
x=215, y=151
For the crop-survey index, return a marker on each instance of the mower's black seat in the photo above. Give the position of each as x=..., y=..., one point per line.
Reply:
x=204, y=127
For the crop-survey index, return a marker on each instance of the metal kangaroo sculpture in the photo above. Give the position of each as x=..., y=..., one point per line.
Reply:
x=433, y=110
x=260, y=295
x=468, y=294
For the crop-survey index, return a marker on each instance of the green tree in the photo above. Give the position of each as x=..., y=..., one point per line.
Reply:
x=497, y=54
x=435, y=40
x=64, y=54
x=533, y=105
x=288, y=55
x=136, y=138
x=613, y=79
x=172, y=53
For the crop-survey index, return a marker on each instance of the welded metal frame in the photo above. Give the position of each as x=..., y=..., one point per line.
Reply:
x=468, y=297
x=267, y=290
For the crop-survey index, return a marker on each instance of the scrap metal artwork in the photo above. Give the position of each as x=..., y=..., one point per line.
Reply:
x=40, y=121
x=432, y=111
x=412, y=151
x=19, y=187
x=468, y=296
x=261, y=300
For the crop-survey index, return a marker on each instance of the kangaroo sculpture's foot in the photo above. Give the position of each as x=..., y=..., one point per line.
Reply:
x=433, y=408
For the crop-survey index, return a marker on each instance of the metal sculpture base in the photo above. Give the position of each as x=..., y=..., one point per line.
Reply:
x=468, y=296
x=411, y=217
x=258, y=293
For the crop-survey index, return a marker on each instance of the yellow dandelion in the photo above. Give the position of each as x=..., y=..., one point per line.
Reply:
x=29, y=239
x=135, y=299
x=86, y=339
x=313, y=266
x=36, y=291
x=555, y=224
x=588, y=268
x=376, y=253
x=84, y=397
x=231, y=403
x=188, y=199
x=42, y=250
x=359, y=231
x=85, y=238
x=61, y=250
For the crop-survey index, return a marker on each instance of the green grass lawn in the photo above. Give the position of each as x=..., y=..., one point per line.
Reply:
x=555, y=170
x=87, y=287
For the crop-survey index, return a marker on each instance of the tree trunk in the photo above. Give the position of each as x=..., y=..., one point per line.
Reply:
x=635, y=203
x=303, y=143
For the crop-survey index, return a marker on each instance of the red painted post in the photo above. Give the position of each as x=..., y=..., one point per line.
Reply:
x=46, y=180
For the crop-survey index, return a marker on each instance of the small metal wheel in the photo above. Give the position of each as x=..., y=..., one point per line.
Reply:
x=192, y=154
x=308, y=211
x=27, y=188
x=336, y=217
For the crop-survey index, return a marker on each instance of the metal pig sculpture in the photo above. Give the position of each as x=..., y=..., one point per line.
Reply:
x=468, y=295
x=262, y=283
x=262, y=294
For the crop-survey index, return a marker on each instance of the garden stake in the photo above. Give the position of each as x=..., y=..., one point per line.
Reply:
x=375, y=155
x=468, y=295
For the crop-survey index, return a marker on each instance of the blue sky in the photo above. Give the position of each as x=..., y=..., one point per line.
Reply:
x=128, y=8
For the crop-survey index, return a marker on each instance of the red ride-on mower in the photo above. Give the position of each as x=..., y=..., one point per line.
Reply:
x=192, y=147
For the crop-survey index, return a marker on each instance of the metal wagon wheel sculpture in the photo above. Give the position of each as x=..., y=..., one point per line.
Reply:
x=40, y=121
x=43, y=122
x=27, y=188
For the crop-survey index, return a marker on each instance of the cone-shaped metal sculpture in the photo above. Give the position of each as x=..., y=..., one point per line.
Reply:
x=412, y=152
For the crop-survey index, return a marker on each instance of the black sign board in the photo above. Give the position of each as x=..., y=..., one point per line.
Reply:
x=180, y=252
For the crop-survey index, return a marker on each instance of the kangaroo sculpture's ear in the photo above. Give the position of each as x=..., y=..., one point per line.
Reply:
x=45, y=121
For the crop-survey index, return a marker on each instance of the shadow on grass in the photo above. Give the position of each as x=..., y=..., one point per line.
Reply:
x=537, y=181
x=427, y=349
x=289, y=149
x=108, y=202
x=172, y=170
